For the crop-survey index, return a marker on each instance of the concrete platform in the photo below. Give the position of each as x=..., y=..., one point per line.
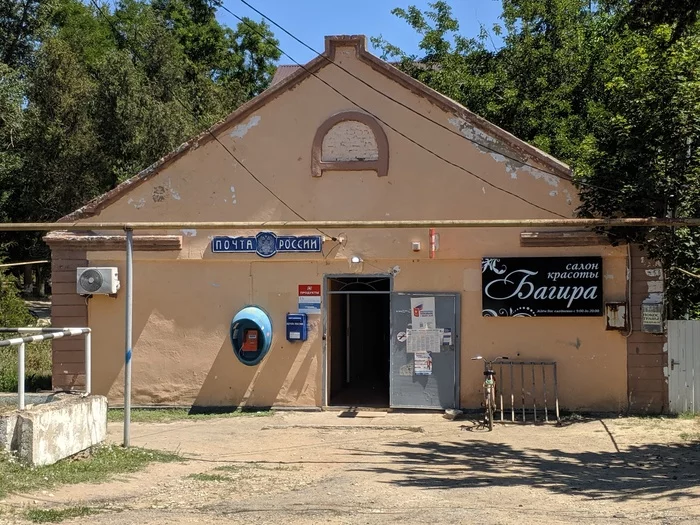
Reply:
x=60, y=426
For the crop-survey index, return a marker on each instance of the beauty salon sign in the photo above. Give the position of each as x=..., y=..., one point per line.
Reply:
x=542, y=286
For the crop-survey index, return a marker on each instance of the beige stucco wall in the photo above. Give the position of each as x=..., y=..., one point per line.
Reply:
x=184, y=301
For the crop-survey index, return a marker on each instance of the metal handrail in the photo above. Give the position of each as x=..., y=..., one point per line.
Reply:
x=45, y=334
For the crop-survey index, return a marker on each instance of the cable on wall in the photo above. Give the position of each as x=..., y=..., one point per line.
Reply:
x=413, y=141
x=208, y=130
x=406, y=106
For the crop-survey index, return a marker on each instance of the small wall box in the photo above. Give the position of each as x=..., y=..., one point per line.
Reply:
x=297, y=327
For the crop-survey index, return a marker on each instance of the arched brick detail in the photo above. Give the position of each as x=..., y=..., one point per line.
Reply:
x=380, y=165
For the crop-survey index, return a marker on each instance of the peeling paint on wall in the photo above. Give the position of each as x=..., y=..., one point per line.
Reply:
x=552, y=180
x=566, y=192
x=655, y=286
x=513, y=167
x=162, y=192
x=233, y=195
x=137, y=204
x=158, y=194
x=173, y=193
x=654, y=298
x=470, y=131
x=189, y=233
x=242, y=130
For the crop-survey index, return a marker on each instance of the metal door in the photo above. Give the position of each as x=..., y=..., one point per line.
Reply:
x=684, y=366
x=424, y=379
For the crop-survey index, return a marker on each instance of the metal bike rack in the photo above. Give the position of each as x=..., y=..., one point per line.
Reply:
x=530, y=382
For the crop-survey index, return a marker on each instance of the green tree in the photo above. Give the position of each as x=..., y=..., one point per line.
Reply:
x=644, y=144
x=11, y=118
x=611, y=87
x=13, y=310
x=97, y=95
x=21, y=25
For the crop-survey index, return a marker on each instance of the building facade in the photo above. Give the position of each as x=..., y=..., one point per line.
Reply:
x=392, y=317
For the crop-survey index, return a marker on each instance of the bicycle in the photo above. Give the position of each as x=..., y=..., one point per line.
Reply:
x=489, y=389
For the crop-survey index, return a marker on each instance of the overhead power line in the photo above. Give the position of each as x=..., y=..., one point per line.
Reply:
x=208, y=129
x=406, y=106
x=413, y=141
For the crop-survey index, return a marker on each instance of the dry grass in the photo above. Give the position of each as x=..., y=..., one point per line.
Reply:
x=167, y=415
x=102, y=464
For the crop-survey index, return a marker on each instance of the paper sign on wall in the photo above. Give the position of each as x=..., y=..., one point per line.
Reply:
x=422, y=312
x=310, y=298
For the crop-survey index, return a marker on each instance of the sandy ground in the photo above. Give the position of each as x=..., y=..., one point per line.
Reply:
x=397, y=468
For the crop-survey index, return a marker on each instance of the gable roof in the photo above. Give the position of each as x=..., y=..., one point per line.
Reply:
x=288, y=78
x=282, y=72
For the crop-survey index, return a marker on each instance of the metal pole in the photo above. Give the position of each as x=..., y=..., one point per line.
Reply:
x=20, y=376
x=522, y=386
x=127, y=355
x=512, y=394
x=500, y=386
x=544, y=388
x=88, y=363
x=11, y=265
x=556, y=393
x=347, y=340
x=534, y=395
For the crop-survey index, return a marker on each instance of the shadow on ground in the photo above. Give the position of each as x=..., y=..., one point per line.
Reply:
x=648, y=471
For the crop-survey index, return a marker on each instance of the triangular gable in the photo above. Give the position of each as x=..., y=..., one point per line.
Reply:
x=289, y=80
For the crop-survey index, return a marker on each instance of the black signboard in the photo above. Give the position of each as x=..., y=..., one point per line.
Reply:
x=542, y=286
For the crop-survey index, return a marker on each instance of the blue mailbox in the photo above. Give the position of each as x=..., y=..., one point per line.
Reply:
x=251, y=335
x=297, y=327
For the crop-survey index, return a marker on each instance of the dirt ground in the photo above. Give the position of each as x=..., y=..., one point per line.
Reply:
x=298, y=468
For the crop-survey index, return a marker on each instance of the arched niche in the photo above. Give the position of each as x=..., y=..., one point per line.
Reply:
x=350, y=141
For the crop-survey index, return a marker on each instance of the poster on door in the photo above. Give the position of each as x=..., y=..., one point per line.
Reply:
x=422, y=313
x=425, y=340
x=422, y=364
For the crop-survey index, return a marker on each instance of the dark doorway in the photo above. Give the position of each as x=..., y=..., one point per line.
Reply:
x=359, y=331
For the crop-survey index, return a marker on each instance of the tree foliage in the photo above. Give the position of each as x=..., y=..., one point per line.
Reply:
x=89, y=97
x=13, y=310
x=611, y=87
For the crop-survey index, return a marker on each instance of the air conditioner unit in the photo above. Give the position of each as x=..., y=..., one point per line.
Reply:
x=97, y=280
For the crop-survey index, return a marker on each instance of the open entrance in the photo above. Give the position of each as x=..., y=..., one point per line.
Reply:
x=359, y=340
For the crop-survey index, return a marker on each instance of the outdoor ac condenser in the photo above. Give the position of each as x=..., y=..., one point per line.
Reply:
x=97, y=280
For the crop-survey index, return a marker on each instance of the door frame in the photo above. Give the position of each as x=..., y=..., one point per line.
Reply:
x=325, y=355
x=458, y=344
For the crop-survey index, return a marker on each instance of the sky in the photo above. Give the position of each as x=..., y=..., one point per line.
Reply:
x=311, y=20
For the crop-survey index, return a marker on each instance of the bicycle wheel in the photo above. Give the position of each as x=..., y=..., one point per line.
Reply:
x=489, y=409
